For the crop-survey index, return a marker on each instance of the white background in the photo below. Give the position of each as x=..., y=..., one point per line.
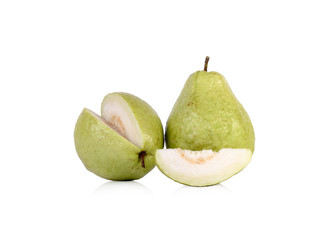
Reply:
x=57, y=57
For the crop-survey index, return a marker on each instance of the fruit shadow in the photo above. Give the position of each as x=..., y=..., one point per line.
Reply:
x=215, y=189
x=121, y=187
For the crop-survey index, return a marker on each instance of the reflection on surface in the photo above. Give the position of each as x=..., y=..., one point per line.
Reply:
x=121, y=188
x=218, y=189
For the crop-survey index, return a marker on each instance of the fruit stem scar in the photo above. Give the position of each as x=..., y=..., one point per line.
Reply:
x=142, y=158
x=206, y=63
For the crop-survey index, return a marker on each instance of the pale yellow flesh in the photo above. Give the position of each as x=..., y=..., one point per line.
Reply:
x=202, y=168
x=119, y=116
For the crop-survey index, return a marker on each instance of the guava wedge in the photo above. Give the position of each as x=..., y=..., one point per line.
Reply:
x=201, y=168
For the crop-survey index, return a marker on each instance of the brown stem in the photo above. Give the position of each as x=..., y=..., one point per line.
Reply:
x=206, y=63
x=142, y=158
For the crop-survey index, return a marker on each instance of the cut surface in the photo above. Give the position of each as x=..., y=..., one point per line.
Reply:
x=120, y=117
x=202, y=168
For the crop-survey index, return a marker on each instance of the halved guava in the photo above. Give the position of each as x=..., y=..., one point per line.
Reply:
x=121, y=144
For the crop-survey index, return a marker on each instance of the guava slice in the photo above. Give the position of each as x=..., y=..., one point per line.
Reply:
x=118, y=114
x=201, y=168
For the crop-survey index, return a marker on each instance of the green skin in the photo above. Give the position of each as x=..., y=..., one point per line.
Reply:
x=111, y=156
x=207, y=115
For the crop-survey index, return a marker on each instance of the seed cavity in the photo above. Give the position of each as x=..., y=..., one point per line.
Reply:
x=117, y=125
x=195, y=160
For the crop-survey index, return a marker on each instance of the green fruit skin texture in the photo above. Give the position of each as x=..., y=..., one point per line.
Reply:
x=111, y=156
x=207, y=115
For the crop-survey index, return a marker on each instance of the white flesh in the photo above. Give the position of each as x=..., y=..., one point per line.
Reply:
x=121, y=118
x=202, y=168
